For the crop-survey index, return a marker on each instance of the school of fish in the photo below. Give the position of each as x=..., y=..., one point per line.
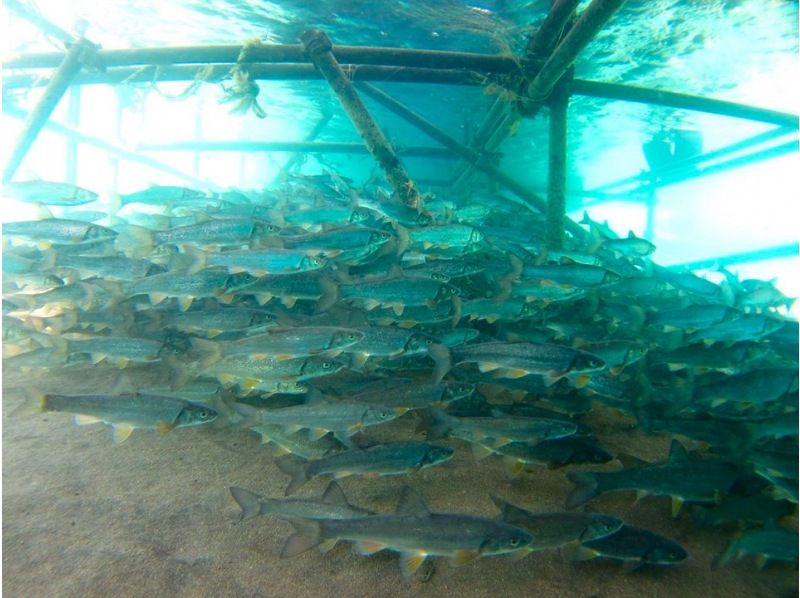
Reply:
x=313, y=311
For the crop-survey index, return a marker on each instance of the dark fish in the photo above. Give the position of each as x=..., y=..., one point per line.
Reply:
x=634, y=547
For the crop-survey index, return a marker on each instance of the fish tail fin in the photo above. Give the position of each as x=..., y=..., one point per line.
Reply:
x=197, y=258
x=443, y=360
x=585, y=488
x=135, y=241
x=595, y=240
x=403, y=238
x=34, y=402
x=295, y=467
x=206, y=352
x=724, y=557
x=114, y=204
x=307, y=535
x=439, y=424
x=330, y=294
x=48, y=259
x=247, y=501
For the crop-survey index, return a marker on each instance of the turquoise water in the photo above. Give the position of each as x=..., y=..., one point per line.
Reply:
x=242, y=294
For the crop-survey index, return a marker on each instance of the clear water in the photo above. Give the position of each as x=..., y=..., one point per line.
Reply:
x=743, y=51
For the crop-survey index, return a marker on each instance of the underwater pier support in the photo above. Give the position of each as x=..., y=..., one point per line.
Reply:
x=70, y=66
x=319, y=49
x=530, y=199
x=557, y=170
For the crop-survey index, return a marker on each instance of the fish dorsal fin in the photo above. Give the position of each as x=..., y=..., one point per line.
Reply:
x=314, y=396
x=631, y=462
x=631, y=235
x=677, y=452
x=411, y=504
x=334, y=495
x=507, y=509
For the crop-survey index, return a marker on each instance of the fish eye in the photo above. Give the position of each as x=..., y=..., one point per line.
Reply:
x=352, y=336
x=514, y=541
x=326, y=365
x=203, y=414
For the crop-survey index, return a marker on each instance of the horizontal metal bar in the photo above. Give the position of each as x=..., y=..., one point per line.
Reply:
x=274, y=53
x=111, y=148
x=758, y=255
x=215, y=73
x=644, y=95
x=309, y=147
x=686, y=175
x=694, y=160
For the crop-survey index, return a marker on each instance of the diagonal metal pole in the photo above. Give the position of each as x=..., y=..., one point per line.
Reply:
x=319, y=49
x=70, y=67
x=582, y=32
x=497, y=124
x=530, y=200
x=557, y=170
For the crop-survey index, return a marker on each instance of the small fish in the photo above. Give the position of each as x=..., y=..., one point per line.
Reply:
x=397, y=293
x=551, y=530
x=164, y=195
x=501, y=428
x=635, y=547
x=213, y=322
x=414, y=532
x=680, y=477
x=333, y=505
x=280, y=343
x=394, y=458
x=126, y=412
x=556, y=452
x=744, y=510
x=187, y=287
x=413, y=394
x=766, y=545
x=49, y=193
x=57, y=231
x=263, y=372
x=258, y=262
x=341, y=417
x=515, y=360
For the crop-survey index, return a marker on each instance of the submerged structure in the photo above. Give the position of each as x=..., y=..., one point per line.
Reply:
x=423, y=339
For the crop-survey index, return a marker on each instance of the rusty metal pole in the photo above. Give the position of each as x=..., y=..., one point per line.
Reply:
x=319, y=49
x=582, y=32
x=557, y=170
x=61, y=80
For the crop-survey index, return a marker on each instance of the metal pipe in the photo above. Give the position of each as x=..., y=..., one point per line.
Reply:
x=530, y=200
x=557, y=170
x=295, y=159
x=73, y=118
x=694, y=160
x=276, y=53
x=110, y=148
x=69, y=67
x=644, y=95
x=759, y=255
x=309, y=147
x=542, y=42
x=215, y=73
x=585, y=28
x=496, y=111
x=32, y=15
x=319, y=46
x=681, y=177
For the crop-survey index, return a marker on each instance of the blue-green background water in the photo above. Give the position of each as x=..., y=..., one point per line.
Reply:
x=740, y=51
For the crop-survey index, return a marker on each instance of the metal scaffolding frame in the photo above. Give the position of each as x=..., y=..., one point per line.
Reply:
x=542, y=76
